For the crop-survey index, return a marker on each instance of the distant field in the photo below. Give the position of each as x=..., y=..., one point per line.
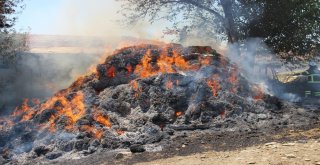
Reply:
x=67, y=44
x=55, y=44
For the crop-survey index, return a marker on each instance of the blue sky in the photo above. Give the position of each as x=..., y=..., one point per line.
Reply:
x=80, y=17
x=39, y=15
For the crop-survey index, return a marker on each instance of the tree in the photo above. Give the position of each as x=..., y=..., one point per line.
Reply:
x=286, y=25
x=7, y=9
x=11, y=43
x=175, y=10
x=12, y=47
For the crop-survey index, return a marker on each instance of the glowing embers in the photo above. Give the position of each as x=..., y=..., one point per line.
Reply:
x=129, y=68
x=214, y=84
x=178, y=113
x=233, y=79
x=95, y=132
x=165, y=63
x=258, y=93
x=136, y=87
x=102, y=119
x=71, y=107
x=25, y=109
x=111, y=72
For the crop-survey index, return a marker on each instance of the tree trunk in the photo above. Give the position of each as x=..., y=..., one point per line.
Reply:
x=229, y=21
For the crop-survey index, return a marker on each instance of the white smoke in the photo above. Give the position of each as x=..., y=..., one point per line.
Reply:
x=259, y=65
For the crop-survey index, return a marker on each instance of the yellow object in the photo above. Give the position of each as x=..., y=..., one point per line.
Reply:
x=286, y=77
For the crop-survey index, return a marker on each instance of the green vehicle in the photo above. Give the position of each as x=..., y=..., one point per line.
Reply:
x=305, y=84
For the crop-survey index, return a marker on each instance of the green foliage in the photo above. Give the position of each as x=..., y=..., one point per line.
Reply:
x=284, y=25
x=11, y=43
x=7, y=10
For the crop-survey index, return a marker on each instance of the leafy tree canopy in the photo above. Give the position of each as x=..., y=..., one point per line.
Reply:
x=11, y=43
x=284, y=25
x=7, y=9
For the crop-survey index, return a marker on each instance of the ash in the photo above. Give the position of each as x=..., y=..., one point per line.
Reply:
x=140, y=99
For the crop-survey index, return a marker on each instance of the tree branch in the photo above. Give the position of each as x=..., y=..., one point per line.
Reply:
x=220, y=17
x=194, y=3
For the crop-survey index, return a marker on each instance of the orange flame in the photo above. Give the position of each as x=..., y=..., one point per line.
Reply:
x=97, y=133
x=213, y=83
x=73, y=109
x=178, y=113
x=136, y=88
x=165, y=64
x=144, y=69
x=25, y=110
x=80, y=80
x=111, y=72
x=28, y=115
x=179, y=61
x=92, y=69
x=102, y=119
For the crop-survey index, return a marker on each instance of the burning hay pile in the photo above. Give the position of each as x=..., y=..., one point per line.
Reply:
x=143, y=95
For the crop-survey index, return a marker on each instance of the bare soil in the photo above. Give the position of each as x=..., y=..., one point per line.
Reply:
x=297, y=152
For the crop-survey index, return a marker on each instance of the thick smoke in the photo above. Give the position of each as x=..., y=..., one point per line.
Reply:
x=39, y=76
x=250, y=57
x=102, y=18
x=54, y=61
x=259, y=65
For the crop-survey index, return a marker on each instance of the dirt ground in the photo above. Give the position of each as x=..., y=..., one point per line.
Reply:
x=298, y=152
x=304, y=151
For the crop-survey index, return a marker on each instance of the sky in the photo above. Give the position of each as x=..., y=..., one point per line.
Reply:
x=81, y=17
